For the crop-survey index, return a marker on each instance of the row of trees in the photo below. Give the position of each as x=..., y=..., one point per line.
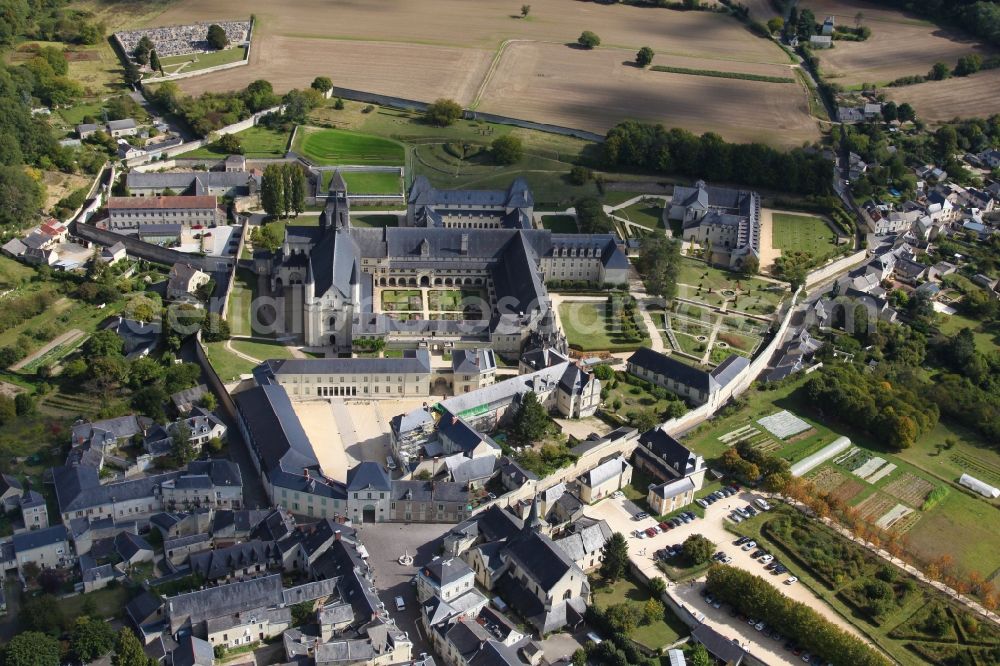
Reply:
x=635, y=145
x=754, y=596
x=210, y=111
x=283, y=189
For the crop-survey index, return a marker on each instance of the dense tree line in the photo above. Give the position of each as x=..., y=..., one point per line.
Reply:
x=754, y=596
x=47, y=20
x=968, y=390
x=283, y=189
x=591, y=218
x=635, y=145
x=210, y=111
x=659, y=265
x=890, y=411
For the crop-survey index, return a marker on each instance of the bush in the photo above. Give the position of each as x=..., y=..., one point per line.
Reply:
x=443, y=112
x=579, y=175
x=217, y=37
x=588, y=40
x=644, y=57
x=507, y=149
x=697, y=549
x=229, y=144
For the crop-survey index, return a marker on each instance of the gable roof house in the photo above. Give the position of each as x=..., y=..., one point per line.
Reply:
x=691, y=383
x=184, y=280
x=727, y=219
x=666, y=459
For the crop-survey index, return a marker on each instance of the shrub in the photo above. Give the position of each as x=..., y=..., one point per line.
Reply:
x=644, y=57
x=588, y=40
x=443, y=112
x=507, y=149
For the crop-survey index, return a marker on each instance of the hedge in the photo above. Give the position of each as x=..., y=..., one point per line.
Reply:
x=723, y=75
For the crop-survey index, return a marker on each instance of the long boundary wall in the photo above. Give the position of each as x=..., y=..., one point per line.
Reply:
x=839, y=266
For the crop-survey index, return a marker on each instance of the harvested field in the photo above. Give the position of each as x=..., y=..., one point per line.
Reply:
x=909, y=488
x=875, y=505
x=444, y=48
x=934, y=101
x=413, y=71
x=901, y=44
x=594, y=90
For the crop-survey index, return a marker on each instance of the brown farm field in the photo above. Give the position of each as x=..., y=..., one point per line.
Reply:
x=474, y=51
x=594, y=90
x=901, y=44
x=941, y=101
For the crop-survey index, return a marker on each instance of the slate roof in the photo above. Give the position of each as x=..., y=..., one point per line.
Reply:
x=429, y=491
x=123, y=124
x=32, y=539
x=727, y=371
x=142, y=607
x=607, y=470
x=222, y=562
x=162, y=203
x=668, y=450
x=277, y=434
x=540, y=557
x=414, y=361
x=519, y=475
x=517, y=195
x=472, y=361
x=668, y=367
x=179, y=182
x=192, y=651
x=718, y=645
x=226, y=599
x=673, y=488
x=585, y=540
x=444, y=571
x=128, y=545
x=8, y=482
x=368, y=476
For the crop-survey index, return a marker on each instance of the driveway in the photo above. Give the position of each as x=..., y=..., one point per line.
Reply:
x=385, y=542
x=712, y=526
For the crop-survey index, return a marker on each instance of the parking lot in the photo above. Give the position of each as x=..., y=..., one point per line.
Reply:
x=619, y=514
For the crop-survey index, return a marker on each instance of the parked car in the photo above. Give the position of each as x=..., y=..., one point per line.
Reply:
x=749, y=545
x=684, y=518
x=618, y=494
x=676, y=522
x=760, y=626
x=791, y=580
x=690, y=514
x=749, y=509
x=742, y=540
x=593, y=637
x=665, y=526
x=640, y=515
x=651, y=531
x=742, y=512
x=639, y=534
x=757, y=553
x=728, y=559
x=762, y=503
x=400, y=604
x=766, y=558
x=735, y=517
x=780, y=569
x=806, y=657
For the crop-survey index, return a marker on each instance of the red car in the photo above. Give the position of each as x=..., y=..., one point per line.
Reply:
x=665, y=526
x=650, y=532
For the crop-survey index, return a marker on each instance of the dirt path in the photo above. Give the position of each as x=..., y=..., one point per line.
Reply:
x=768, y=253
x=68, y=336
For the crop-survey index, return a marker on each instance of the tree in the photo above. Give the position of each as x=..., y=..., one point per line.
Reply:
x=21, y=196
x=968, y=64
x=128, y=650
x=91, y=639
x=644, y=420
x=531, y=421
x=590, y=216
x=751, y=266
x=31, y=648
x=272, y=189
x=699, y=656
x=644, y=57
x=507, y=149
x=525, y=10
x=652, y=611
x=42, y=614
x=103, y=343
x=579, y=657
x=890, y=111
x=776, y=25
x=622, y=618
x=302, y=613
x=154, y=62
x=24, y=404
x=657, y=587
x=295, y=184
x=229, y=144
x=588, y=40
x=614, y=557
x=217, y=38
x=443, y=112
x=659, y=265
x=697, y=549
x=939, y=72
x=322, y=84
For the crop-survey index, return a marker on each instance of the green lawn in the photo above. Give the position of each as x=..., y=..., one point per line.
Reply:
x=240, y=299
x=646, y=213
x=587, y=328
x=227, y=365
x=970, y=453
x=633, y=398
x=262, y=349
x=334, y=146
x=805, y=233
x=13, y=273
x=700, y=282
x=560, y=224
x=375, y=220
x=199, y=61
x=109, y=602
x=372, y=182
x=75, y=114
x=987, y=336
x=655, y=635
x=258, y=141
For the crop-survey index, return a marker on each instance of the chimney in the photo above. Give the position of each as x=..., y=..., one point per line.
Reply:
x=465, y=244
x=305, y=472
x=336, y=535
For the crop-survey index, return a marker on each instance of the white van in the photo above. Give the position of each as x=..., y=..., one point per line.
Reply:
x=400, y=604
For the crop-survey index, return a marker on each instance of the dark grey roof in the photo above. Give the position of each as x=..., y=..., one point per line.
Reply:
x=192, y=651
x=277, y=434
x=368, y=476
x=540, y=557
x=8, y=482
x=677, y=456
x=519, y=475
x=222, y=562
x=718, y=645
x=179, y=182
x=32, y=539
x=463, y=470
x=160, y=228
x=429, y=491
x=606, y=470
x=517, y=195
x=227, y=599
x=446, y=570
x=142, y=607
x=414, y=361
x=124, y=123
x=727, y=371
x=472, y=361
x=128, y=545
x=671, y=368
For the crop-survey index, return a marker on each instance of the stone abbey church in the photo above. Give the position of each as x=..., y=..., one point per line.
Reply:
x=479, y=241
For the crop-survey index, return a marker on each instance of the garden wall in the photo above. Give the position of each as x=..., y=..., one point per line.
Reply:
x=836, y=267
